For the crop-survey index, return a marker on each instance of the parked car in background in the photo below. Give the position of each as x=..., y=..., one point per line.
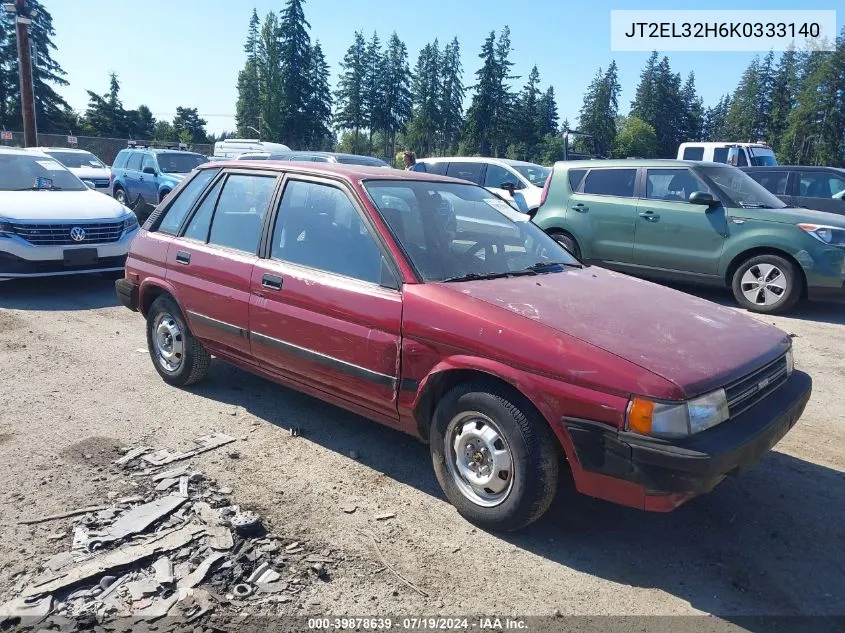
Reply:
x=736, y=154
x=519, y=180
x=233, y=147
x=470, y=330
x=83, y=164
x=147, y=174
x=317, y=157
x=253, y=156
x=699, y=223
x=819, y=188
x=51, y=223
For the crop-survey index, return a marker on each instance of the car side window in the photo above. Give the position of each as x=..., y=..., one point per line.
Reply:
x=774, y=181
x=472, y=172
x=120, y=159
x=720, y=155
x=134, y=162
x=575, y=178
x=179, y=208
x=693, y=153
x=820, y=184
x=240, y=212
x=436, y=168
x=497, y=175
x=673, y=184
x=318, y=226
x=148, y=161
x=611, y=182
x=199, y=224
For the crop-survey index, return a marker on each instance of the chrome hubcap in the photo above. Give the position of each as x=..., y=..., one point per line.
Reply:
x=479, y=459
x=763, y=284
x=168, y=342
x=120, y=197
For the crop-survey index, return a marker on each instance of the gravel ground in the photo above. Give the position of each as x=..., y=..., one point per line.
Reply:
x=76, y=383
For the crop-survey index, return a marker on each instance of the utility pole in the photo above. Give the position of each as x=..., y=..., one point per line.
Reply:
x=23, y=18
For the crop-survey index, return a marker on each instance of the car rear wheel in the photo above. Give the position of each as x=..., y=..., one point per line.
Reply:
x=567, y=241
x=767, y=284
x=494, y=458
x=120, y=195
x=179, y=358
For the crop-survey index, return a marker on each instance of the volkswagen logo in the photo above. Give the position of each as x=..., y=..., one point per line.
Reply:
x=77, y=234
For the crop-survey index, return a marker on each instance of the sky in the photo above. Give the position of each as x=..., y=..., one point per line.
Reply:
x=188, y=52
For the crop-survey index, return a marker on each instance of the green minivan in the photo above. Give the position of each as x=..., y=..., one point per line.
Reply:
x=696, y=222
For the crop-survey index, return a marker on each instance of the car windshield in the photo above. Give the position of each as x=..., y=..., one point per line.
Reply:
x=536, y=174
x=77, y=159
x=740, y=189
x=173, y=163
x=22, y=172
x=362, y=160
x=457, y=232
x=762, y=157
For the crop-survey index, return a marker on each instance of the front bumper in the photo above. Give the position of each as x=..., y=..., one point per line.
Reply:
x=665, y=473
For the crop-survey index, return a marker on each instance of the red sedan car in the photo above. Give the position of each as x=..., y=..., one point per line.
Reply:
x=427, y=304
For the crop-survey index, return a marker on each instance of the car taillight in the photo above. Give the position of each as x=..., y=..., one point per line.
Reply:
x=545, y=193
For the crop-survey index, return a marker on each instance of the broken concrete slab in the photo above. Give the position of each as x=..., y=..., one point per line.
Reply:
x=171, y=474
x=206, y=443
x=183, y=486
x=62, y=515
x=139, y=589
x=141, y=517
x=28, y=612
x=133, y=454
x=199, y=574
x=163, y=571
x=220, y=537
x=166, y=484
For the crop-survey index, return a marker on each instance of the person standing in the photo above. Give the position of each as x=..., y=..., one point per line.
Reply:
x=410, y=159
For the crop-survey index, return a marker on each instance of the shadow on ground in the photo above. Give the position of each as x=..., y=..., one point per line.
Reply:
x=767, y=542
x=78, y=292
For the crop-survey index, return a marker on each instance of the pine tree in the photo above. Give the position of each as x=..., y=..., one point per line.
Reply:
x=247, y=107
x=105, y=115
x=693, y=110
x=548, y=113
x=767, y=77
x=189, y=127
x=600, y=109
x=478, y=130
x=745, y=114
x=320, y=136
x=644, y=105
x=426, y=89
x=714, y=126
x=452, y=98
x=503, y=121
x=658, y=102
x=294, y=50
x=528, y=118
x=268, y=64
x=142, y=123
x=785, y=87
x=350, y=96
x=373, y=87
x=396, y=91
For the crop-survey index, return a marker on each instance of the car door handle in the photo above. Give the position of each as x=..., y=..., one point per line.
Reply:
x=273, y=282
x=651, y=216
x=183, y=257
x=581, y=208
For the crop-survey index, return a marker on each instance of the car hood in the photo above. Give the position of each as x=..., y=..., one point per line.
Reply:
x=695, y=344
x=59, y=205
x=90, y=172
x=791, y=215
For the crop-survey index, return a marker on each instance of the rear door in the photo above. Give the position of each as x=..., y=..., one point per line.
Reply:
x=601, y=212
x=326, y=309
x=821, y=190
x=470, y=171
x=147, y=182
x=673, y=234
x=211, y=263
x=132, y=175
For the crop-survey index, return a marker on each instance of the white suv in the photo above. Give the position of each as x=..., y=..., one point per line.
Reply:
x=82, y=164
x=51, y=223
x=522, y=181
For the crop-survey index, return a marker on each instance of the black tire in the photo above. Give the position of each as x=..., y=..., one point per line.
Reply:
x=567, y=241
x=531, y=444
x=162, y=196
x=194, y=360
x=776, y=269
x=120, y=195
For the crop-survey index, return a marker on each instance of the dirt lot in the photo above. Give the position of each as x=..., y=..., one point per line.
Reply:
x=76, y=383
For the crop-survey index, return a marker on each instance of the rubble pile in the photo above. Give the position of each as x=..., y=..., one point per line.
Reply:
x=179, y=548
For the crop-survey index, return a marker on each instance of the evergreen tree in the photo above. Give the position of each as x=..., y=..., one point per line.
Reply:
x=270, y=88
x=785, y=87
x=320, y=136
x=600, y=109
x=452, y=98
x=503, y=120
x=658, y=102
x=635, y=139
x=715, y=121
x=294, y=51
x=247, y=108
x=141, y=123
x=528, y=118
x=693, y=111
x=745, y=114
x=373, y=87
x=548, y=113
x=396, y=91
x=350, y=96
x=767, y=78
x=105, y=115
x=189, y=127
x=6, y=77
x=164, y=132
x=426, y=89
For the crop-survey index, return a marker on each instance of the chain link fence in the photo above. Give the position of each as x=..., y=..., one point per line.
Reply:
x=103, y=148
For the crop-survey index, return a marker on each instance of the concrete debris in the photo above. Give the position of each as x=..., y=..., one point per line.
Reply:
x=349, y=509
x=385, y=516
x=181, y=554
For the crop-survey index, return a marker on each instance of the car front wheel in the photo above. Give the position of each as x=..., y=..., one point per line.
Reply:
x=120, y=195
x=179, y=358
x=566, y=240
x=767, y=284
x=494, y=458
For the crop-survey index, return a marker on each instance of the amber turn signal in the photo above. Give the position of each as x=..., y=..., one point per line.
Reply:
x=640, y=415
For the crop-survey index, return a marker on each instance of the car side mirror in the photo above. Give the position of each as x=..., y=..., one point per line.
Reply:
x=703, y=198
x=89, y=184
x=150, y=170
x=509, y=187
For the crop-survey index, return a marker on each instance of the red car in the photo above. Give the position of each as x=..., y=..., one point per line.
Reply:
x=428, y=304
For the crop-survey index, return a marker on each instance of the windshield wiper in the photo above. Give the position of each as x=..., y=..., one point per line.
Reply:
x=50, y=188
x=543, y=266
x=754, y=205
x=476, y=276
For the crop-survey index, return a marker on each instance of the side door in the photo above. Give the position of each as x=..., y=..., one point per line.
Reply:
x=211, y=262
x=496, y=176
x=132, y=175
x=777, y=182
x=470, y=171
x=602, y=211
x=148, y=179
x=326, y=307
x=821, y=190
x=673, y=234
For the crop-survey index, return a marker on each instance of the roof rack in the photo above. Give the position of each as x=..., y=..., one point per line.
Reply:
x=134, y=144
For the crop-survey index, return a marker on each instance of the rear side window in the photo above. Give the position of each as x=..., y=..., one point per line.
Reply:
x=611, y=182
x=575, y=178
x=240, y=212
x=472, y=172
x=179, y=208
x=120, y=159
x=774, y=181
x=720, y=155
x=693, y=153
x=134, y=162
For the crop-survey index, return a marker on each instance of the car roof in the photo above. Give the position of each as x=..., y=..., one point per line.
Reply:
x=161, y=150
x=477, y=159
x=63, y=149
x=21, y=151
x=788, y=167
x=344, y=171
x=636, y=162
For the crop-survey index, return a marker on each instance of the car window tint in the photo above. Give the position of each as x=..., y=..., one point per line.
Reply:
x=673, y=184
x=497, y=175
x=820, y=185
x=774, y=181
x=575, y=178
x=201, y=221
x=240, y=212
x=148, y=161
x=421, y=167
x=134, y=162
x=720, y=155
x=120, y=159
x=466, y=171
x=693, y=153
x=319, y=227
x=179, y=208
x=436, y=168
x=611, y=182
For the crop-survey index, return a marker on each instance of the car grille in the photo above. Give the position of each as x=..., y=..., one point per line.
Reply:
x=101, y=183
x=750, y=390
x=59, y=234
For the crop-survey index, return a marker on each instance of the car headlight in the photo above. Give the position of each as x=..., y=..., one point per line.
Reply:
x=130, y=223
x=832, y=235
x=5, y=227
x=790, y=363
x=680, y=419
